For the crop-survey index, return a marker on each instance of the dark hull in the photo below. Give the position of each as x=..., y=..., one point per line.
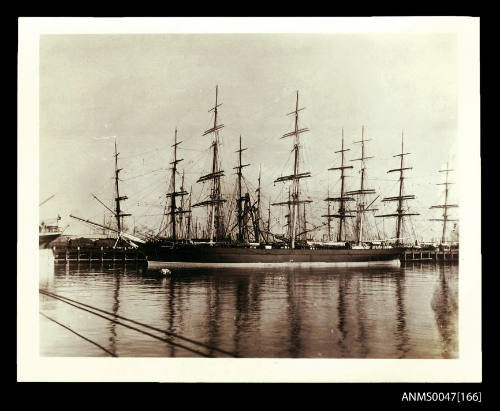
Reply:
x=236, y=256
x=44, y=239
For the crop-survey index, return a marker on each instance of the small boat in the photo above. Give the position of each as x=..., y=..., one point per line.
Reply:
x=47, y=234
x=48, y=230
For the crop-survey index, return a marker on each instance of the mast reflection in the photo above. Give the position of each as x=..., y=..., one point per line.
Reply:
x=341, y=312
x=171, y=311
x=115, y=308
x=213, y=314
x=402, y=339
x=241, y=315
x=445, y=307
x=362, y=333
x=293, y=317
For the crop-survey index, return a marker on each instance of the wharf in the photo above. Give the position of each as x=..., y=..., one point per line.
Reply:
x=430, y=255
x=97, y=254
x=107, y=254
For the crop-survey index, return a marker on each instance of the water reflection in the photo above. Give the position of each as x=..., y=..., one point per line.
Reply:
x=444, y=304
x=362, y=332
x=341, y=310
x=214, y=310
x=294, y=326
x=347, y=313
x=115, y=307
x=402, y=339
x=170, y=310
x=241, y=315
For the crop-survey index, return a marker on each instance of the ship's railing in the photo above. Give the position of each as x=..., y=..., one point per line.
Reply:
x=49, y=229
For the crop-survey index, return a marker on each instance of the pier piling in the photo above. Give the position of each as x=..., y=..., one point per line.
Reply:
x=95, y=254
x=435, y=255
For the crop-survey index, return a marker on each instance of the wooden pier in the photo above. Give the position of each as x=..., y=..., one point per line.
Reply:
x=106, y=254
x=430, y=255
x=97, y=254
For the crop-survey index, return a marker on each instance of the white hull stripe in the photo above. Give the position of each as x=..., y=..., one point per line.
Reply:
x=157, y=265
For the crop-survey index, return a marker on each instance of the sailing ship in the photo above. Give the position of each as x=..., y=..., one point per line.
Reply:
x=48, y=230
x=445, y=207
x=254, y=244
x=122, y=238
x=401, y=199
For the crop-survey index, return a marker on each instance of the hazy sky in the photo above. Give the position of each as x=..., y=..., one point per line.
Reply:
x=140, y=87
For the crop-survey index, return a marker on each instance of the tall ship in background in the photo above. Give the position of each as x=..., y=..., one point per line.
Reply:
x=250, y=241
x=121, y=239
x=236, y=233
x=452, y=239
x=401, y=199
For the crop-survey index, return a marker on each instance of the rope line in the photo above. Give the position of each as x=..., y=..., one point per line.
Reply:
x=79, y=335
x=63, y=299
x=128, y=326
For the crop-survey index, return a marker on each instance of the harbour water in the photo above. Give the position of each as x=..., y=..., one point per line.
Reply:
x=406, y=312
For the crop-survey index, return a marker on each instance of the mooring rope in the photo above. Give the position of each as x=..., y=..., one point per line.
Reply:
x=170, y=334
x=79, y=335
x=132, y=328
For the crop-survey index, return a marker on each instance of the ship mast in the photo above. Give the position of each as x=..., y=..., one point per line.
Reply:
x=342, y=213
x=361, y=208
x=173, y=194
x=181, y=218
x=329, y=219
x=304, y=229
x=445, y=206
x=47, y=199
x=118, y=199
x=400, y=212
x=189, y=217
x=215, y=200
x=258, y=211
x=268, y=222
x=294, y=202
x=241, y=199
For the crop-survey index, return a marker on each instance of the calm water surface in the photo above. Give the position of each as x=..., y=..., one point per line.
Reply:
x=407, y=312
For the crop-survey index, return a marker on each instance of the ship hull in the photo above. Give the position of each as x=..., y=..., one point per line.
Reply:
x=44, y=239
x=252, y=257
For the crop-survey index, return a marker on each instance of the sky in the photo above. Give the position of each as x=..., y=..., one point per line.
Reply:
x=138, y=88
